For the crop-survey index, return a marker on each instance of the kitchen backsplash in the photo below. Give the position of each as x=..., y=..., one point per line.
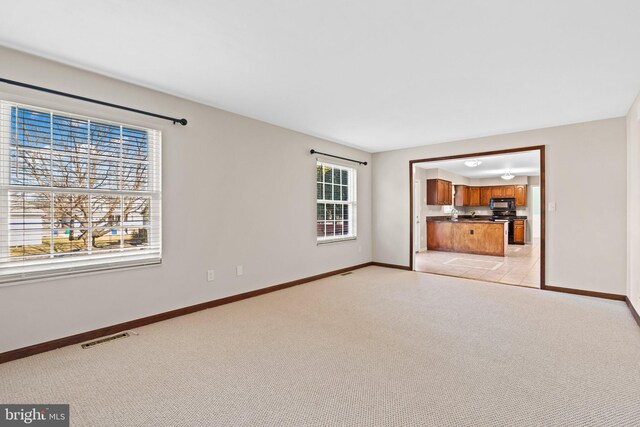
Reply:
x=486, y=211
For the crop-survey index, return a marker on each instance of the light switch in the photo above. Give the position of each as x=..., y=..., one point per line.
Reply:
x=552, y=207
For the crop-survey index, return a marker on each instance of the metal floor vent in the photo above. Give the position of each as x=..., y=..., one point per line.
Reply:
x=104, y=340
x=347, y=273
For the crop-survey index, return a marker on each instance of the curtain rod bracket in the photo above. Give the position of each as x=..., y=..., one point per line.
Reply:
x=338, y=157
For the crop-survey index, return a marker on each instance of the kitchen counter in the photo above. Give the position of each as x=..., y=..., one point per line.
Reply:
x=471, y=236
x=477, y=218
x=475, y=221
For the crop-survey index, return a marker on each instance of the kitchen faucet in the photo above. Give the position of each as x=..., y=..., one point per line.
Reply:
x=454, y=213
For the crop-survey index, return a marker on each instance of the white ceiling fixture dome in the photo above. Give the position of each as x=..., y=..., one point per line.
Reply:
x=507, y=176
x=472, y=163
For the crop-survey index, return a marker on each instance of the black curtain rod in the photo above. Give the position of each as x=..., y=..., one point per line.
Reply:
x=183, y=122
x=338, y=157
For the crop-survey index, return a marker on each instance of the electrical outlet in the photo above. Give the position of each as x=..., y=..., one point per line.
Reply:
x=359, y=248
x=210, y=275
x=239, y=270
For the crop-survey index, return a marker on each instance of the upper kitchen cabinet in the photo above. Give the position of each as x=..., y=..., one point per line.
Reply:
x=509, y=191
x=439, y=192
x=497, y=191
x=485, y=196
x=461, y=197
x=521, y=195
x=474, y=196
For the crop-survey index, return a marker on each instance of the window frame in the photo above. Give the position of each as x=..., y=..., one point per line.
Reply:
x=51, y=265
x=351, y=202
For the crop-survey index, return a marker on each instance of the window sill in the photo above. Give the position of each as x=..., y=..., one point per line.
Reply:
x=11, y=279
x=327, y=241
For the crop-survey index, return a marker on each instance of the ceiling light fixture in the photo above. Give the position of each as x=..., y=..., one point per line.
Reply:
x=507, y=176
x=472, y=163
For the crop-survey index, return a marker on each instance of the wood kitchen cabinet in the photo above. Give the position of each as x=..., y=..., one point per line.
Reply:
x=521, y=195
x=485, y=196
x=439, y=192
x=474, y=196
x=439, y=235
x=497, y=191
x=519, y=192
x=509, y=191
x=461, y=197
x=472, y=237
x=519, y=229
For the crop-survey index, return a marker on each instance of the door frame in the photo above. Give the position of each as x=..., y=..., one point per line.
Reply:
x=416, y=220
x=539, y=148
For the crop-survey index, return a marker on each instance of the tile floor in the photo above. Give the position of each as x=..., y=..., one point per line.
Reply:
x=520, y=267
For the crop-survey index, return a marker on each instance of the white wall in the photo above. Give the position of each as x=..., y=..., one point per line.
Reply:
x=585, y=177
x=633, y=204
x=454, y=178
x=235, y=191
x=533, y=182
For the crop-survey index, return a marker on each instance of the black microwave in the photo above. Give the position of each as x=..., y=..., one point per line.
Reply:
x=503, y=204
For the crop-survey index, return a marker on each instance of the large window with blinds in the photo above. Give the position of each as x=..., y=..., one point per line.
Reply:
x=336, y=202
x=76, y=193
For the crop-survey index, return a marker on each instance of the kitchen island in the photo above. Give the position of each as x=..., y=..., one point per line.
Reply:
x=471, y=236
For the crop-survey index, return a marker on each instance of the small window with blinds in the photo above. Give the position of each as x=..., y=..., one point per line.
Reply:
x=76, y=193
x=336, y=202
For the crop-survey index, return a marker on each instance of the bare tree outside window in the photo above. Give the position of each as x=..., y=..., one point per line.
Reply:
x=77, y=185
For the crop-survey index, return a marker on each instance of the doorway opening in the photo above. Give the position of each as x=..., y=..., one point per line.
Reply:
x=480, y=216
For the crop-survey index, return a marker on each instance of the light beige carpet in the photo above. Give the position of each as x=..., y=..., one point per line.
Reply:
x=379, y=347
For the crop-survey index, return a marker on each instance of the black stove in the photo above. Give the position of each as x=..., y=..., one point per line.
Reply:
x=502, y=215
x=505, y=214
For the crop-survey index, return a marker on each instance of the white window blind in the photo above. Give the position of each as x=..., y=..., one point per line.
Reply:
x=76, y=193
x=336, y=202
